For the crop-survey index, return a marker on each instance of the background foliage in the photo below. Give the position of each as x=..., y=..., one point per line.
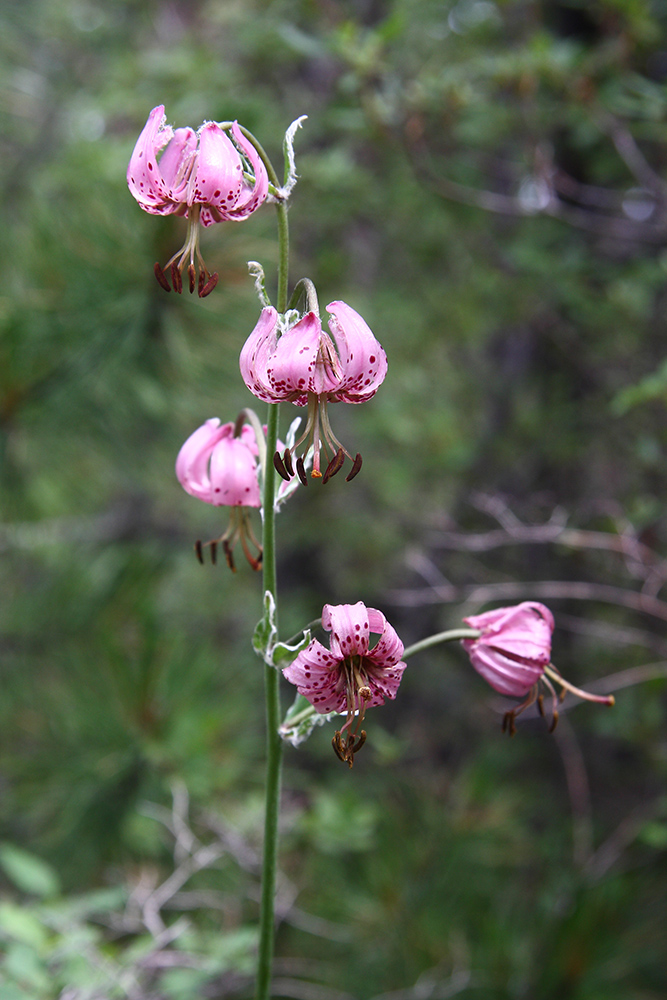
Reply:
x=483, y=182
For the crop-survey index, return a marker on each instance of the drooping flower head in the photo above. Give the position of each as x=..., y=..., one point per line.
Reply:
x=513, y=654
x=309, y=367
x=349, y=676
x=208, y=176
x=219, y=465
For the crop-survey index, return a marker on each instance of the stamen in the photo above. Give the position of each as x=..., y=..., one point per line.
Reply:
x=316, y=474
x=209, y=286
x=176, y=279
x=554, y=702
x=191, y=276
x=334, y=466
x=300, y=471
x=356, y=466
x=279, y=466
x=161, y=277
x=198, y=551
x=229, y=554
x=360, y=741
x=214, y=552
x=287, y=460
x=337, y=744
x=510, y=717
x=346, y=749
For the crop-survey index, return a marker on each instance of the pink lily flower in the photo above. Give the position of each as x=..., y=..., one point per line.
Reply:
x=220, y=467
x=513, y=654
x=349, y=676
x=208, y=176
x=308, y=367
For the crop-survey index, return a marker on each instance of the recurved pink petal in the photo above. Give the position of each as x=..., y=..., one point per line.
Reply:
x=523, y=631
x=143, y=174
x=384, y=683
x=301, y=362
x=252, y=195
x=362, y=357
x=316, y=674
x=193, y=459
x=389, y=648
x=256, y=353
x=504, y=675
x=177, y=161
x=233, y=474
x=218, y=179
x=349, y=627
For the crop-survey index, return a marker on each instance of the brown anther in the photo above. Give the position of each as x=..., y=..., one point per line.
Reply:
x=339, y=749
x=287, y=461
x=209, y=286
x=198, y=551
x=214, y=552
x=301, y=472
x=540, y=704
x=191, y=276
x=176, y=279
x=356, y=466
x=279, y=466
x=554, y=721
x=229, y=555
x=360, y=741
x=509, y=725
x=201, y=280
x=334, y=466
x=161, y=277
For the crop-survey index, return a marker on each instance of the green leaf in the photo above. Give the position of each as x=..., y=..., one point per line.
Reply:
x=28, y=872
x=275, y=654
x=265, y=630
x=300, y=720
x=18, y=923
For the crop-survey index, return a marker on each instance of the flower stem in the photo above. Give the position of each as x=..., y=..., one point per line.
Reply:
x=433, y=640
x=274, y=743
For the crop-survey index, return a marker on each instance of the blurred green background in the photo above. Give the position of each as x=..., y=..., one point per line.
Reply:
x=482, y=181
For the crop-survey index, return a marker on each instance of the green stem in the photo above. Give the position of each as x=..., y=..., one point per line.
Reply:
x=274, y=743
x=450, y=636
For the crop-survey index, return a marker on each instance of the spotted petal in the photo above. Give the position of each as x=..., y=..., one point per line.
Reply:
x=233, y=471
x=218, y=180
x=253, y=195
x=349, y=627
x=177, y=162
x=362, y=357
x=303, y=362
x=317, y=676
x=218, y=468
x=255, y=355
x=144, y=178
x=389, y=648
